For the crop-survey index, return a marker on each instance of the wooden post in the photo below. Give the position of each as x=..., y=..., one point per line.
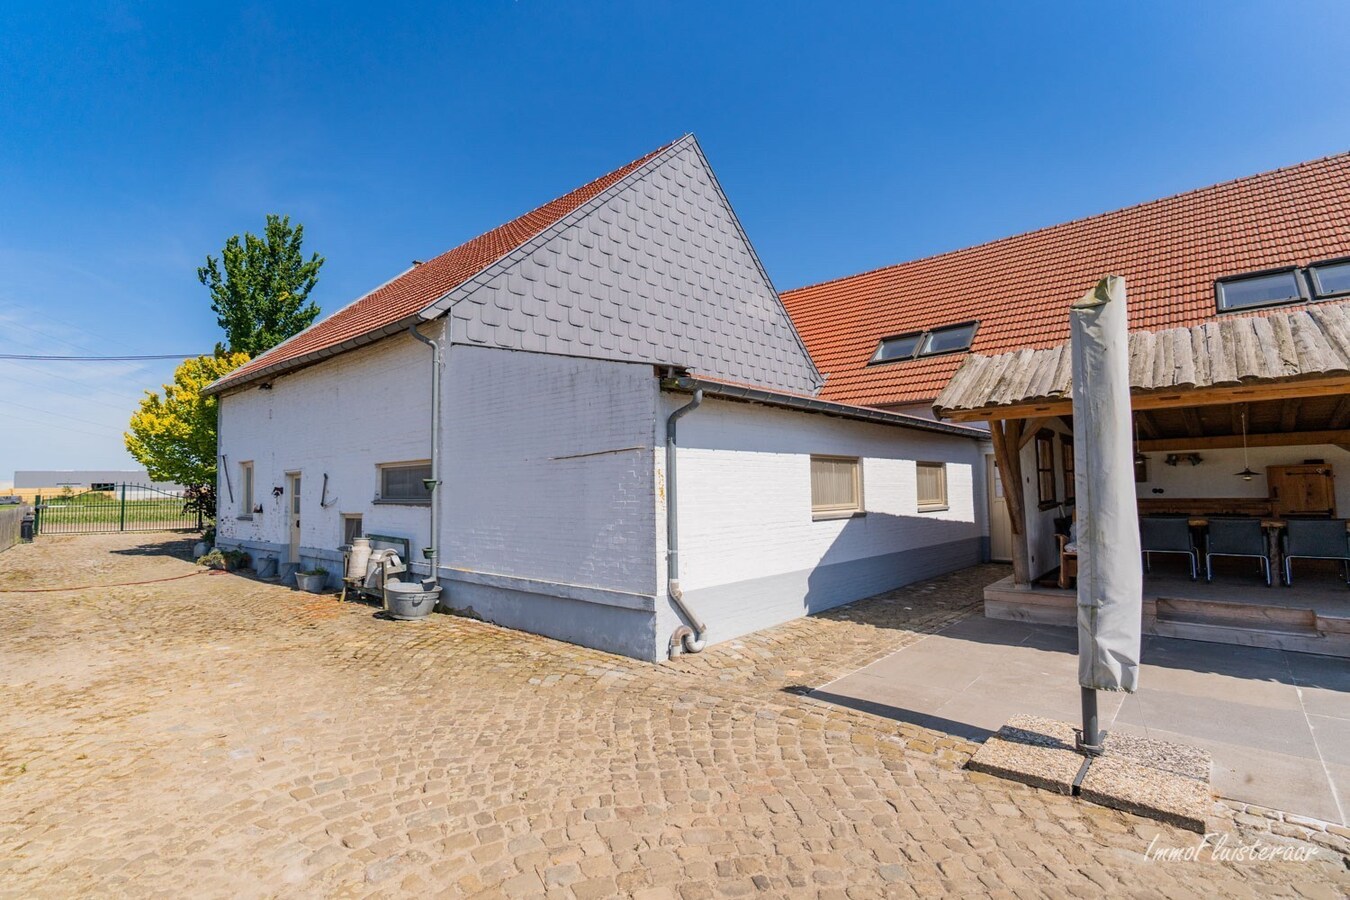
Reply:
x=1007, y=435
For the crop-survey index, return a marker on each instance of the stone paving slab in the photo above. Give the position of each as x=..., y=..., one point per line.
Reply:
x=215, y=736
x=1156, y=779
x=1269, y=719
x=1123, y=783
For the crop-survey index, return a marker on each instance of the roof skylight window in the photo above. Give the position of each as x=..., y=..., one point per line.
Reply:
x=1330, y=278
x=948, y=340
x=934, y=342
x=901, y=347
x=1260, y=289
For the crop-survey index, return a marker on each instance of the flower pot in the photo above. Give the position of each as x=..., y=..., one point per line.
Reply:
x=200, y=549
x=312, y=583
x=409, y=601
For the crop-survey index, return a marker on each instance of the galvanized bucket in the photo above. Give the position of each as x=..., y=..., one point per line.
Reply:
x=409, y=601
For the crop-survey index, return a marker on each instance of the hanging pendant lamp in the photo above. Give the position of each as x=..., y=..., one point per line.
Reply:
x=1246, y=474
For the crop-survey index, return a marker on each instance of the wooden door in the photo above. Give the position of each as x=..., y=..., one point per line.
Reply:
x=1000, y=521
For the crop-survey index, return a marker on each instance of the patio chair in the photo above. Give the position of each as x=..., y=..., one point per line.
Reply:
x=1315, y=539
x=1167, y=535
x=1236, y=537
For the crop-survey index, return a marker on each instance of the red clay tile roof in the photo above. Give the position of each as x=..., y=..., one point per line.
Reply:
x=1019, y=288
x=421, y=285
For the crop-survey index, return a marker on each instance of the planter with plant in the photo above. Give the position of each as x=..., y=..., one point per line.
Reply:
x=228, y=560
x=312, y=580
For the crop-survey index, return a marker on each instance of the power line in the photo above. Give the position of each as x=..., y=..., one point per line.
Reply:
x=98, y=358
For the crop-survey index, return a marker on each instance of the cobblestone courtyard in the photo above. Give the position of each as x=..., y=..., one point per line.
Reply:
x=219, y=736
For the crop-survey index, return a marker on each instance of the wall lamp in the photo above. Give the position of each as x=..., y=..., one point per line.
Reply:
x=1176, y=459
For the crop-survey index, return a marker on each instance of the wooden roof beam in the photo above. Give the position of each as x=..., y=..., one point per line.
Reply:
x=1192, y=420
x=1340, y=418
x=1289, y=414
x=1174, y=399
x=1146, y=426
x=1228, y=441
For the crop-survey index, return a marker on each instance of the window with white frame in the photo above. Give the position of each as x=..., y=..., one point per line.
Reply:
x=405, y=482
x=246, y=488
x=836, y=486
x=932, y=485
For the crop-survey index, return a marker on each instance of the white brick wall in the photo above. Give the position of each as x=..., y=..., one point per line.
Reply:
x=549, y=471
x=342, y=417
x=745, y=504
x=554, y=484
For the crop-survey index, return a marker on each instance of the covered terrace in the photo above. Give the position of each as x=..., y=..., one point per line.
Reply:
x=1242, y=425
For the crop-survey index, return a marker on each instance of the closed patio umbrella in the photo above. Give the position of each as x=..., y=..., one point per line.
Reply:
x=1110, y=577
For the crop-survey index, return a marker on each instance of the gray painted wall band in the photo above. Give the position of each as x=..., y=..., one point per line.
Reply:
x=580, y=592
x=626, y=632
x=740, y=607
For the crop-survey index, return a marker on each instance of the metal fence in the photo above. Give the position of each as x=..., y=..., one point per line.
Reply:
x=11, y=520
x=124, y=507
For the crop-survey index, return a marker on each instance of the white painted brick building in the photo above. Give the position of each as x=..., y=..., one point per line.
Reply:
x=568, y=337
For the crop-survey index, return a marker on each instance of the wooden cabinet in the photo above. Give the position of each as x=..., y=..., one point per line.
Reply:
x=1308, y=490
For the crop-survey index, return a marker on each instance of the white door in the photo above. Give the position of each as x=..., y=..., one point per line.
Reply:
x=1000, y=523
x=294, y=508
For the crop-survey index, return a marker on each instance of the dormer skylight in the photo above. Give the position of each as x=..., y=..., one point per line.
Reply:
x=934, y=342
x=1255, y=289
x=1330, y=278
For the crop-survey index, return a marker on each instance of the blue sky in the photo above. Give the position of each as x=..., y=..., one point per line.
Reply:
x=136, y=137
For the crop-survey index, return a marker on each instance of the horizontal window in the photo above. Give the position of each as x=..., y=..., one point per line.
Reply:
x=936, y=341
x=1331, y=278
x=405, y=482
x=1260, y=289
x=932, y=478
x=836, y=485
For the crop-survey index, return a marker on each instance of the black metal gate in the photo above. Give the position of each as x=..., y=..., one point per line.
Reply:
x=122, y=507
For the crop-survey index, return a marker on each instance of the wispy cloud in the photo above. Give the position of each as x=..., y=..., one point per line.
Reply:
x=65, y=414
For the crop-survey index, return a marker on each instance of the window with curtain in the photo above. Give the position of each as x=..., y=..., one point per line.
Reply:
x=836, y=485
x=1045, y=469
x=932, y=485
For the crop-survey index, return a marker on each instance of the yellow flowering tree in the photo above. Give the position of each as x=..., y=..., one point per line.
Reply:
x=174, y=435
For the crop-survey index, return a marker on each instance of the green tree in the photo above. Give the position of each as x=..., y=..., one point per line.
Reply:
x=174, y=436
x=260, y=300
